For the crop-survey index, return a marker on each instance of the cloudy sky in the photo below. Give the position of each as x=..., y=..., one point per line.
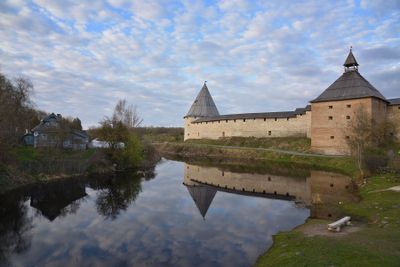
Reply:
x=257, y=56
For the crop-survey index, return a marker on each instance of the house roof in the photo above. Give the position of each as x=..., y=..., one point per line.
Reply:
x=203, y=105
x=268, y=115
x=350, y=85
x=394, y=101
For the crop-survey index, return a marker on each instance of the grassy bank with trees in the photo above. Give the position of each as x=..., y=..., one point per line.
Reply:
x=21, y=164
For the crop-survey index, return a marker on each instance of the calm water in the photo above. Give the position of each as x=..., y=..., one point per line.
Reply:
x=186, y=215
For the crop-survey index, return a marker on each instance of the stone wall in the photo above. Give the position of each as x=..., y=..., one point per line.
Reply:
x=393, y=115
x=251, y=127
x=330, y=121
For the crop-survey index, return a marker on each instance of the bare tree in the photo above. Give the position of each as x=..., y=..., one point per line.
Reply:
x=368, y=139
x=359, y=132
x=127, y=114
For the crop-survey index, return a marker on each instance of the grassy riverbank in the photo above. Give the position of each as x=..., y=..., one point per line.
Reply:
x=376, y=243
x=298, y=144
x=28, y=165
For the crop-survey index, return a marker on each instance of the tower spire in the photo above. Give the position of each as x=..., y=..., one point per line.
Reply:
x=351, y=63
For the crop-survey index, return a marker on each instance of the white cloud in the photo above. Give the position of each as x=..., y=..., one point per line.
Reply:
x=82, y=56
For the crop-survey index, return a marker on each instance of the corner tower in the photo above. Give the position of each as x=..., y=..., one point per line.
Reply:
x=335, y=109
x=203, y=106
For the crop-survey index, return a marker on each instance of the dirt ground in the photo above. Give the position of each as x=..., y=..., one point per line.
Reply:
x=320, y=229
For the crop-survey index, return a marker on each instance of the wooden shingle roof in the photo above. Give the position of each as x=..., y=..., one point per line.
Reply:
x=350, y=85
x=261, y=115
x=203, y=105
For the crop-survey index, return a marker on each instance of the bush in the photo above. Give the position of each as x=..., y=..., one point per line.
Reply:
x=130, y=156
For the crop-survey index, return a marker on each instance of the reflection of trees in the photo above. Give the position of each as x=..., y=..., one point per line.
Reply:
x=58, y=198
x=117, y=193
x=14, y=226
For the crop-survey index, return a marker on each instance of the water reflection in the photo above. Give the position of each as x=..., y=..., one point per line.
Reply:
x=131, y=219
x=320, y=191
x=15, y=227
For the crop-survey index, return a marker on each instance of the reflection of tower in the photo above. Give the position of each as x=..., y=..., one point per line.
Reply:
x=202, y=196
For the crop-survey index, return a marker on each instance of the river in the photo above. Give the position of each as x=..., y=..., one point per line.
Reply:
x=185, y=214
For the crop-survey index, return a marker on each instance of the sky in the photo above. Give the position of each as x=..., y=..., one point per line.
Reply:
x=256, y=56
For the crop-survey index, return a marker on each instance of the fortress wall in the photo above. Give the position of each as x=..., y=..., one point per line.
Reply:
x=329, y=124
x=257, y=127
x=393, y=115
x=271, y=184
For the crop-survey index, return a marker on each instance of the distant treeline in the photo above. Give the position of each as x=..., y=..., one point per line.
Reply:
x=161, y=134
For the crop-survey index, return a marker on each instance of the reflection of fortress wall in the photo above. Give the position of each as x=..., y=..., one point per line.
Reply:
x=321, y=191
x=260, y=183
x=327, y=190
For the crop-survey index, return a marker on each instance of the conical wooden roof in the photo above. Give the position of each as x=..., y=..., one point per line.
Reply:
x=203, y=105
x=350, y=60
x=350, y=85
x=202, y=197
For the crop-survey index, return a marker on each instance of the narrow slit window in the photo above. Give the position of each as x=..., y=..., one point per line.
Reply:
x=269, y=132
x=349, y=106
x=330, y=107
x=244, y=120
x=330, y=118
x=276, y=119
x=234, y=120
x=332, y=137
x=226, y=121
x=265, y=119
x=287, y=118
x=348, y=117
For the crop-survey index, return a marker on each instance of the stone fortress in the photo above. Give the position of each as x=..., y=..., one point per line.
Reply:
x=325, y=120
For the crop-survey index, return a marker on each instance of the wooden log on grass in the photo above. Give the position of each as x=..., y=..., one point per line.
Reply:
x=336, y=226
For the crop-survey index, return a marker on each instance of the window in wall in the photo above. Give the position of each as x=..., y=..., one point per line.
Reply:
x=254, y=119
x=398, y=107
x=330, y=118
x=348, y=117
x=188, y=134
x=269, y=133
x=349, y=106
x=234, y=120
x=287, y=118
x=223, y=173
x=265, y=119
x=330, y=107
x=276, y=119
x=347, y=137
x=219, y=121
x=332, y=137
x=226, y=121
x=244, y=120
x=223, y=134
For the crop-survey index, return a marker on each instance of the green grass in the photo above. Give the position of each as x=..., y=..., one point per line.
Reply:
x=299, y=144
x=376, y=244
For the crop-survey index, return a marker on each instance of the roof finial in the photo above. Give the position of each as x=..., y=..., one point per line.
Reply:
x=205, y=82
x=351, y=48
